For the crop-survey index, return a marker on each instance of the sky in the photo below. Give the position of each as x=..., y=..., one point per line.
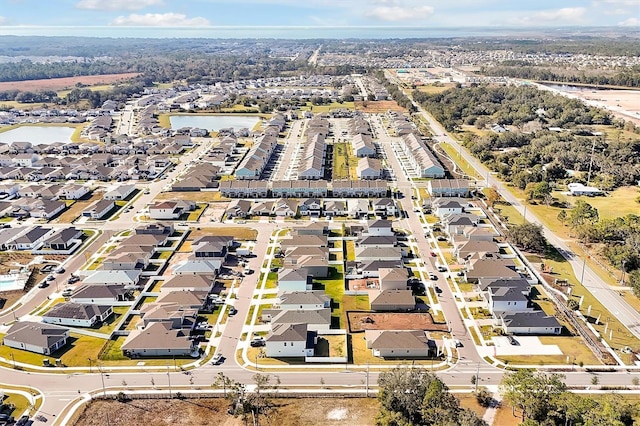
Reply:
x=320, y=13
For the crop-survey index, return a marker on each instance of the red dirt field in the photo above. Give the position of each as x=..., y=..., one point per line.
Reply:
x=392, y=321
x=378, y=106
x=66, y=82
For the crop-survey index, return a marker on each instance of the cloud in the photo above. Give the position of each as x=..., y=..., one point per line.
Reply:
x=563, y=16
x=631, y=22
x=160, y=20
x=116, y=4
x=397, y=12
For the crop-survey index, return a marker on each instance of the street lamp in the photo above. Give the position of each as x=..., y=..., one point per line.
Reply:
x=13, y=360
x=89, y=364
x=169, y=379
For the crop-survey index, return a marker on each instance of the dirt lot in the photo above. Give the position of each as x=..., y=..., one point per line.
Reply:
x=377, y=107
x=392, y=321
x=213, y=411
x=14, y=260
x=67, y=82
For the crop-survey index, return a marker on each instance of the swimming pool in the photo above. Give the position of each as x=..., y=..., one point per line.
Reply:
x=12, y=282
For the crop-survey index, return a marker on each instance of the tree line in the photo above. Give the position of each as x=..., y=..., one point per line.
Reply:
x=627, y=77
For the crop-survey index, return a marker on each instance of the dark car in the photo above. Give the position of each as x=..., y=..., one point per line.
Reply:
x=232, y=311
x=43, y=284
x=512, y=340
x=438, y=290
x=248, y=271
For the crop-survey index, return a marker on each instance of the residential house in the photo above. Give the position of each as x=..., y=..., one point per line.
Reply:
x=207, y=266
x=303, y=300
x=393, y=301
x=36, y=337
x=119, y=277
x=303, y=241
x=536, y=322
x=176, y=315
x=476, y=249
x=311, y=207
x=294, y=280
x=170, y=210
x=290, y=340
x=99, y=209
x=369, y=168
x=363, y=145
x=367, y=253
x=317, y=320
x=31, y=239
x=334, y=208
x=385, y=207
x=448, y=188
x=158, y=339
x=358, y=208
x=401, y=344
x=238, y=208
x=262, y=208
x=196, y=282
x=101, y=294
x=77, y=314
x=490, y=269
x=379, y=227
x=64, y=239
x=186, y=298
x=120, y=192
x=285, y=207
x=393, y=278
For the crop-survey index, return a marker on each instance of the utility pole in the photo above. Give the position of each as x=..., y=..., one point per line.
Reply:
x=367, y=382
x=104, y=390
x=169, y=379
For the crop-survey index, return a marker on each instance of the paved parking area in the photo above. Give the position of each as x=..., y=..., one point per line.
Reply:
x=527, y=345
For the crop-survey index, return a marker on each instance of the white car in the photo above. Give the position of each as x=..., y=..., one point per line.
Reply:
x=217, y=359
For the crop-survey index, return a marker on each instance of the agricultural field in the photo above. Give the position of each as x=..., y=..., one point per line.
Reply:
x=66, y=82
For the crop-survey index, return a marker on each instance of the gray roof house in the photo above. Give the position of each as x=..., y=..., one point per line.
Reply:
x=36, y=337
x=401, y=344
x=536, y=322
x=290, y=340
x=394, y=300
x=158, y=339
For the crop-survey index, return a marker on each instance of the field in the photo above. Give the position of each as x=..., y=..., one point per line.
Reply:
x=66, y=82
x=627, y=100
x=392, y=321
x=213, y=411
x=378, y=107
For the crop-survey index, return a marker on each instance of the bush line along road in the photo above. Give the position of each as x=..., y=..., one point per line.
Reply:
x=62, y=392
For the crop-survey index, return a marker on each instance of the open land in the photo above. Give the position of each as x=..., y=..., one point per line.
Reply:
x=392, y=321
x=65, y=82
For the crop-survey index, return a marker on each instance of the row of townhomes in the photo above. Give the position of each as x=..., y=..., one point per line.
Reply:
x=358, y=208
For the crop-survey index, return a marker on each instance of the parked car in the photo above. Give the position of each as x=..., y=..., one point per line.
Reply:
x=248, y=271
x=258, y=341
x=217, y=359
x=50, y=277
x=68, y=292
x=232, y=311
x=73, y=279
x=433, y=277
x=458, y=343
x=60, y=270
x=438, y=290
x=512, y=340
x=43, y=284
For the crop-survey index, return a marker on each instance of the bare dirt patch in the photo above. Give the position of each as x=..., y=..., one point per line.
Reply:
x=360, y=321
x=377, y=107
x=66, y=82
x=213, y=411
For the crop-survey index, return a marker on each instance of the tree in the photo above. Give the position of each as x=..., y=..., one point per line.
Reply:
x=583, y=213
x=537, y=191
x=222, y=381
x=535, y=394
x=492, y=196
x=562, y=216
x=528, y=236
x=634, y=281
x=412, y=396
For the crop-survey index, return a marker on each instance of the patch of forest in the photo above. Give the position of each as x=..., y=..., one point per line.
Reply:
x=547, y=135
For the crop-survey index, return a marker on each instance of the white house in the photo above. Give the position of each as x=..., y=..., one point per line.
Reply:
x=120, y=192
x=577, y=189
x=379, y=227
x=293, y=280
x=36, y=337
x=77, y=315
x=289, y=340
x=304, y=300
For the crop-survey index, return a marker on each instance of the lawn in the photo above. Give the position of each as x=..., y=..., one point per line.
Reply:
x=435, y=88
x=572, y=347
x=238, y=232
x=272, y=280
x=76, y=353
x=328, y=107
x=461, y=162
x=340, y=161
x=351, y=250
x=109, y=325
x=112, y=356
x=198, y=197
x=333, y=286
